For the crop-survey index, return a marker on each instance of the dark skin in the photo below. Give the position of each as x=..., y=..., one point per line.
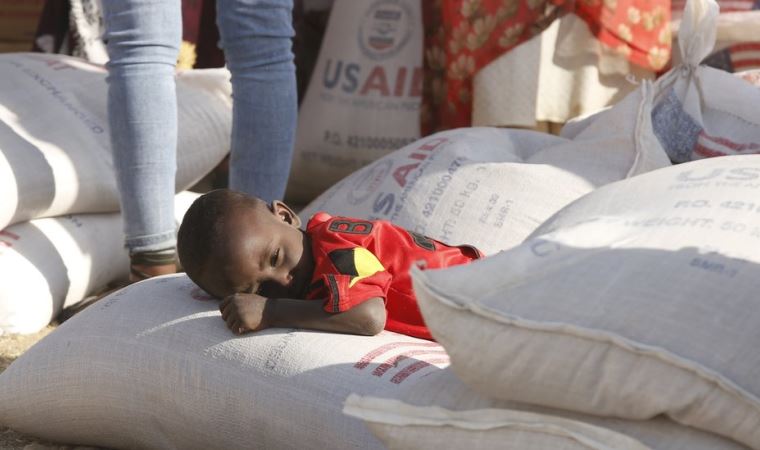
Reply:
x=264, y=273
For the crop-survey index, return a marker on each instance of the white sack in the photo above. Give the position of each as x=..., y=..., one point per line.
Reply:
x=54, y=263
x=364, y=97
x=55, y=152
x=154, y=366
x=491, y=187
x=636, y=300
x=441, y=412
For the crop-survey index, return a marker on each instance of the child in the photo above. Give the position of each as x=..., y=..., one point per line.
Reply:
x=342, y=275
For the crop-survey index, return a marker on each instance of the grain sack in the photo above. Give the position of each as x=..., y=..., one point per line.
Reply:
x=55, y=153
x=364, y=96
x=638, y=299
x=160, y=351
x=440, y=412
x=491, y=187
x=54, y=263
x=703, y=112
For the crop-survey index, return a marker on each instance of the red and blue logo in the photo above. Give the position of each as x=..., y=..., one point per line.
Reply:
x=385, y=29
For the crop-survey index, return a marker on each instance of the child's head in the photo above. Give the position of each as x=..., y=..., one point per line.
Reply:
x=230, y=243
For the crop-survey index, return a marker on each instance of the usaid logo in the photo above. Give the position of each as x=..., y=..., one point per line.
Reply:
x=736, y=174
x=385, y=29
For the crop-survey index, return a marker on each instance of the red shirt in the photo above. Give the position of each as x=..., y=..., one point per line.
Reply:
x=356, y=260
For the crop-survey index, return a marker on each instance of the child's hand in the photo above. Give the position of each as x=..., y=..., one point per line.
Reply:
x=244, y=312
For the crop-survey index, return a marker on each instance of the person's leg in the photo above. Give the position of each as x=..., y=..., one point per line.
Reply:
x=256, y=36
x=143, y=38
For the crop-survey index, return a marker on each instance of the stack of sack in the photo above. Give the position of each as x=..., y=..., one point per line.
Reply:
x=363, y=99
x=492, y=187
x=56, y=263
x=627, y=320
x=633, y=309
x=56, y=164
x=620, y=316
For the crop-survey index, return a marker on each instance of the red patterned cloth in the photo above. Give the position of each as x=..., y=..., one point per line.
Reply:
x=463, y=36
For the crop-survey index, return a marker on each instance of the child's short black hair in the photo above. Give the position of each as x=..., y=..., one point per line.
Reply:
x=201, y=233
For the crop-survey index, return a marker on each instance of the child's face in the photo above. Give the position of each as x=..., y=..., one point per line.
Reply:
x=267, y=254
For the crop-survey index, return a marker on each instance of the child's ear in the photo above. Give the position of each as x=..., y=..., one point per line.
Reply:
x=284, y=213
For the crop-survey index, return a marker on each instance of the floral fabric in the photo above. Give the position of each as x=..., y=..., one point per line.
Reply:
x=462, y=36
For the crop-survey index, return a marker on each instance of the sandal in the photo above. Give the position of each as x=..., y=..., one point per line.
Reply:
x=144, y=265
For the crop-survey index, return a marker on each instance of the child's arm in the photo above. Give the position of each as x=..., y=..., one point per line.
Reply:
x=251, y=312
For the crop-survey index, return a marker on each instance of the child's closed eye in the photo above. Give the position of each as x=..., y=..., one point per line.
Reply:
x=274, y=258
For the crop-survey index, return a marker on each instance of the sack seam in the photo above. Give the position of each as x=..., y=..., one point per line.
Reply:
x=536, y=427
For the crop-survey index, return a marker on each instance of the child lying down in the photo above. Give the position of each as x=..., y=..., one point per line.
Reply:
x=342, y=275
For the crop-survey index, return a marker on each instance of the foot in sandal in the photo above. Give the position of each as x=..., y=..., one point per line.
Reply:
x=144, y=265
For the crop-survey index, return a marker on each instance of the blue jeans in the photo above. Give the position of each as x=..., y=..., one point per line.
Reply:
x=143, y=38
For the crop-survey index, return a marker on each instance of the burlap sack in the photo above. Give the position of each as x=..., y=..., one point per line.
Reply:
x=154, y=366
x=55, y=153
x=441, y=412
x=55, y=263
x=636, y=300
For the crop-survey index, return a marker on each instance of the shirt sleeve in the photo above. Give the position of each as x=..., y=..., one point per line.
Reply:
x=359, y=276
